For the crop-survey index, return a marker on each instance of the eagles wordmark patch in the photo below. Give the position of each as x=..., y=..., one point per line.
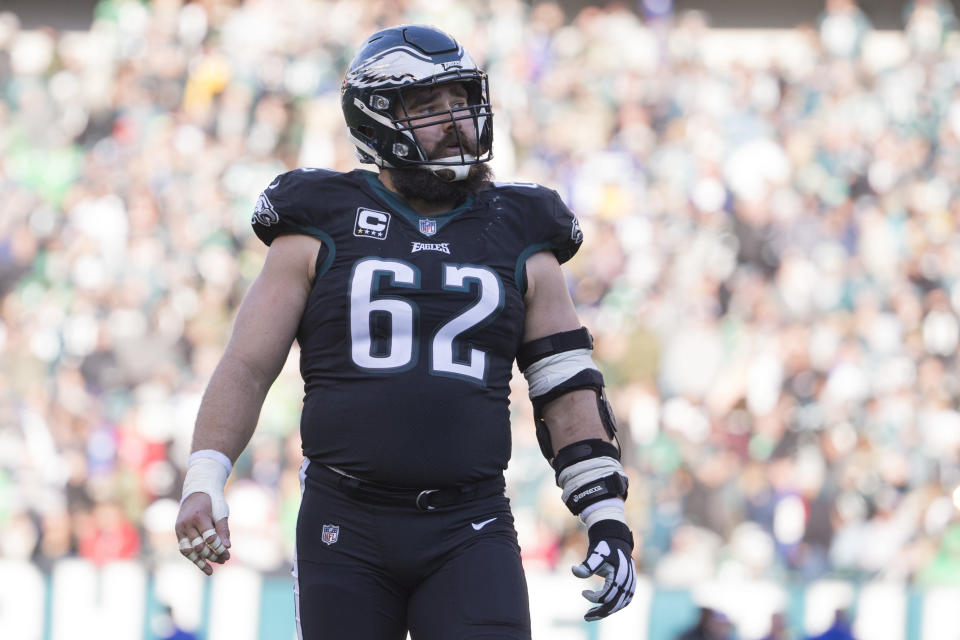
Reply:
x=371, y=224
x=443, y=247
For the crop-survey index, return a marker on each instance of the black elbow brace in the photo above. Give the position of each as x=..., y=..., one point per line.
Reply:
x=580, y=377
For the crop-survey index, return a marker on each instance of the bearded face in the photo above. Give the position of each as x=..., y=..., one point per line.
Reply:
x=442, y=139
x=423, y=184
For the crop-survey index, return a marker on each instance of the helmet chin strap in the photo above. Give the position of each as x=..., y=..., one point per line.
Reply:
x=451, y=172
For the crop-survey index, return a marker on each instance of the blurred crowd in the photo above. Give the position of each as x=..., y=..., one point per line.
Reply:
x=771, y=269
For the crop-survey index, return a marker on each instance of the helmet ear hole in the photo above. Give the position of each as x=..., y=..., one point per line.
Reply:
x=366, y=131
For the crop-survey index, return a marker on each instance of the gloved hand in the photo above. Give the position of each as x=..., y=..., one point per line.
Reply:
x=609, y=557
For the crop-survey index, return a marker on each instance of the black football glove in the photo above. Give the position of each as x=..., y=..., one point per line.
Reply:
x=609, y=557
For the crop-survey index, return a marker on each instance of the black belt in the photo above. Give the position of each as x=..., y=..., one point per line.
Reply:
x=423, y=499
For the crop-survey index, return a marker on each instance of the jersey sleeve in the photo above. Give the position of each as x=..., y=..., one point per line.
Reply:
x=562, y=229
x=553, y=226
x=282, y=208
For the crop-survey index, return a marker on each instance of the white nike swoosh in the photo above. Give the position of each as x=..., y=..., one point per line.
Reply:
x=480, y=525
x=274, y=185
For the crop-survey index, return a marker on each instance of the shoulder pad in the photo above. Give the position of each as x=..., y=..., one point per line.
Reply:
x=550, y=223
x=283, y=207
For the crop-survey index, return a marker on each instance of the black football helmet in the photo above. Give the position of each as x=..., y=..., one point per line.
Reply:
x=399, y=58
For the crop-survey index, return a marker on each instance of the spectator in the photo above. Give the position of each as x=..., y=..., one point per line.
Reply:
x=927, y=24
x=166, y=628
x=839, y=630
x=711, y=625
x=107, y=535
x=843, y=27
x=778, y=628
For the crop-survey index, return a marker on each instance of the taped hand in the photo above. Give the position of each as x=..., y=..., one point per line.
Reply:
x=202, y=537
x=202, y=530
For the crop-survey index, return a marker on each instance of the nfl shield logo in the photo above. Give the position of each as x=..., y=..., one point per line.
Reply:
x=428, y=227
x=330, y=533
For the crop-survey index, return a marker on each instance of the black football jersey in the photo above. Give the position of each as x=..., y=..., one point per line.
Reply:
x=413, y=322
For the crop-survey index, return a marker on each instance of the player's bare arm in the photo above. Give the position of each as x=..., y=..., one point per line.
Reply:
x=576, y=429
x=572, y=416
x=263, y=331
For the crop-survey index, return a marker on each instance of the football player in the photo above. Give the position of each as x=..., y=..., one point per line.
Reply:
x=411, y=291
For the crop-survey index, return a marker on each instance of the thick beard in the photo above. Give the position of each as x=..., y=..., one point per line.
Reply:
x=423, y=184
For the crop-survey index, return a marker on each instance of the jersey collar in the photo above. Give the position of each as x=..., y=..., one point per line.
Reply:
x=398, y=204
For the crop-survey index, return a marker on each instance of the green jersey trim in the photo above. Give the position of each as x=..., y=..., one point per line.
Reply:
x=401, y=207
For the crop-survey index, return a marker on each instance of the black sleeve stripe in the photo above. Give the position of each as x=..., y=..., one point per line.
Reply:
x=584, y=450
x=586, y=379
x=612, y=486
x=555, y=343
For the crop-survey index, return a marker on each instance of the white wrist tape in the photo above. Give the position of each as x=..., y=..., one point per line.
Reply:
x=609, y=509
x=545, y=374
x=585, y=472
x=207, y=472
x=212, y=454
